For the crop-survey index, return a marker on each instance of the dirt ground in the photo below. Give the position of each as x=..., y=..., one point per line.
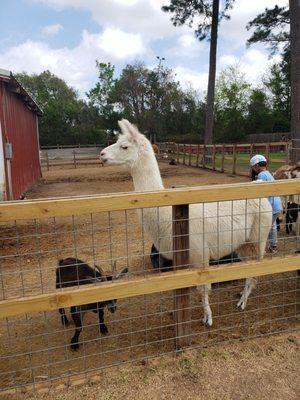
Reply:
x=262, y=369
x=35, y=348
x=84, y=181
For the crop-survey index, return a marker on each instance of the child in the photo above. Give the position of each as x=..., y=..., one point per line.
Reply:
x=259, y=168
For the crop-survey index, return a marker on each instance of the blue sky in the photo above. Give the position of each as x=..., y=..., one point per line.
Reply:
x=66, y=36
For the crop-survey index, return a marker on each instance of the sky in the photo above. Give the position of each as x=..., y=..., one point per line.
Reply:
x=67, y=36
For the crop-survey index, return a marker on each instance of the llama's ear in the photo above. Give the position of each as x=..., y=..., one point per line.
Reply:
x=130, y=130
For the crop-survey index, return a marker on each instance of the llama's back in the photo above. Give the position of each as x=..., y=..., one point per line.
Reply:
x=226, y=226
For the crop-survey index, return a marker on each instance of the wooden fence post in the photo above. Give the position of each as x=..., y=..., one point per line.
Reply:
x=214, y=158
x=183, y=162
x=223, y=158
x=268, y=152
x=47, y=161
x=190, y=154
x=197, y=159
x=203, y=156
x=74, y=159
x=251, y=150
x=182, y=311
x=177, y=153
x=234, y=156
x=287, y=153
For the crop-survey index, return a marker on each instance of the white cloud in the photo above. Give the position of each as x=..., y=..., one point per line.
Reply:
x=188, y=77
x=121, y=44
x=187, y=41
x=253, y=63
x=135, y=29
x=77, y=65
x=50, y=30
x=187, y=46
x=136, y=16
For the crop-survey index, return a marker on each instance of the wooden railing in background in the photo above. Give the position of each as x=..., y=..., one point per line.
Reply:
x=76, y=161
x=231, y=158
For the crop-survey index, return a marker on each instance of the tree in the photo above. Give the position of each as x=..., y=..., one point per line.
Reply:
x=66, y=119
x=277, y=83
x=271, y=28
x=259, y=115
x=101, y=97
x=232, y=97
x=295, y=79
x=154, y=100
x=187, y=11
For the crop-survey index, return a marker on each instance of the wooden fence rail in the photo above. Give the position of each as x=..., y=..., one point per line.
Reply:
x=76, y=161
x=227, y=157
x=77, y=205
x=146, y=285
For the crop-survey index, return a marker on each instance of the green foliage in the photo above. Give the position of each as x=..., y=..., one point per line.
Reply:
x=259, y=114
x=155, y=101
x=232, y=97
x=101, y=97
x=271, y=28
x=65, y=117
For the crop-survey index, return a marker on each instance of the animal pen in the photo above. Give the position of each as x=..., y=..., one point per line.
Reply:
x=158, y=312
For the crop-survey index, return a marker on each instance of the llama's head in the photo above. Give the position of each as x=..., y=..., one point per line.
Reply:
x=130, y=146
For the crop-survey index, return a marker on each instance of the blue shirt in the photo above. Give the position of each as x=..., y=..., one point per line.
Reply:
x=275, y=201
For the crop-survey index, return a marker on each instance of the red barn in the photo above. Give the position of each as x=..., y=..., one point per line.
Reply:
x=19, y=145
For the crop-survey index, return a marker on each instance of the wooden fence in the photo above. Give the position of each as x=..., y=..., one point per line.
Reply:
x=39, y=209
x=231, y=158
x=179, y=280
x=76, y=161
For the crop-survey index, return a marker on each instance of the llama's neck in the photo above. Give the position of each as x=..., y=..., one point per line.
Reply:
x=146, y=175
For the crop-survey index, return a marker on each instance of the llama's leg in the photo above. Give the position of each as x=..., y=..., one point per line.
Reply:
x=249, y=285
x=207, y=318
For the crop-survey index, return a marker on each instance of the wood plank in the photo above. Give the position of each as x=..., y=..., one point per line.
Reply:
x=45, y=208
x=182, y=310
x=147, y=285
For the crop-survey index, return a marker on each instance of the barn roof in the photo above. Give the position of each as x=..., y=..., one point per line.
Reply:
x=15, y=86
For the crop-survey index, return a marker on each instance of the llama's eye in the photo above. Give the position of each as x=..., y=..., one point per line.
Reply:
x=124, y=147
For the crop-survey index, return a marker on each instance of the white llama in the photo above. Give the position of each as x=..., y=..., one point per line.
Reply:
x=216, y=229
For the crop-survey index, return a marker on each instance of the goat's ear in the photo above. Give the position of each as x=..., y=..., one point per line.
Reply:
x=122, y=273
x=100, y=270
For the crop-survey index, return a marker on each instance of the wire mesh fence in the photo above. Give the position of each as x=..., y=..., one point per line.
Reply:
x=41, y=256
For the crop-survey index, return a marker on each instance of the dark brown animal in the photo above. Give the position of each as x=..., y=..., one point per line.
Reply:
x=74, y=272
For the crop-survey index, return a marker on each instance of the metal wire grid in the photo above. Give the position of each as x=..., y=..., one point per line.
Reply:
x=36, y=347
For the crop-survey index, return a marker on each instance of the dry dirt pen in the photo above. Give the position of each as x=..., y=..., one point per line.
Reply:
x=35, y=346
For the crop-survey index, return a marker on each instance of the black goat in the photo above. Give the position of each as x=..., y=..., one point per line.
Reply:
x=161, y=263
x=291, y=216
x=73, y=272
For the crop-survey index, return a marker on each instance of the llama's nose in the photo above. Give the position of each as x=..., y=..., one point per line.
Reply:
x=102, y=153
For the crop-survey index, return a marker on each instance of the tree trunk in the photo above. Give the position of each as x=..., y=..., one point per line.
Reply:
x=295, y=79
x=209, y=120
